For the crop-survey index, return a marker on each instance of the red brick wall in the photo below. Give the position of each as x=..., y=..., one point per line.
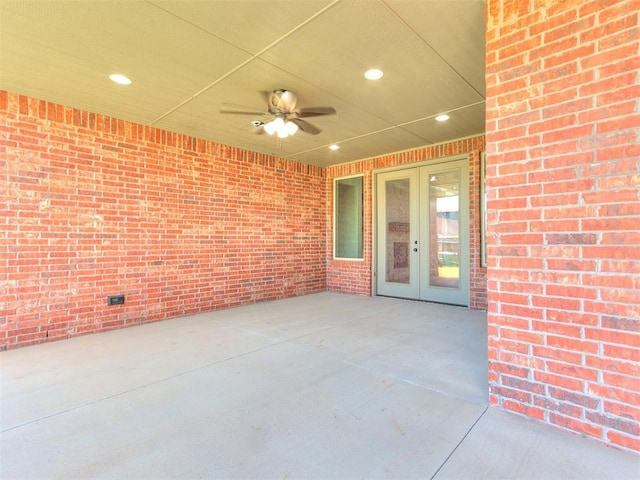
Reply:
x=355, y=276
x=94, y=206
x=563, y=152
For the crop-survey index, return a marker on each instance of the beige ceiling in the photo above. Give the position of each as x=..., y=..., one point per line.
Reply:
x=189, y=59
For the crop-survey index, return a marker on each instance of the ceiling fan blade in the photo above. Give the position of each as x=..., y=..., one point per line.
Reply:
x=265, y=95
x=254, y=129
x=239, y=112
x=315, y=112
x=239, y=106
x=306, y=127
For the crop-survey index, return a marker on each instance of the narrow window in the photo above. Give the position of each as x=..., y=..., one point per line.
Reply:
x=347, y=239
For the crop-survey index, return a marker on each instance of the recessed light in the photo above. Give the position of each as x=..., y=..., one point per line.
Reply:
x=334, y=147
x=442, y=118
x=120, y=79
x=373, y=74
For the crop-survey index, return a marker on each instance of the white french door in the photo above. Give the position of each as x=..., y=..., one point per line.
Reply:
x=423, y=233
x=398, y=271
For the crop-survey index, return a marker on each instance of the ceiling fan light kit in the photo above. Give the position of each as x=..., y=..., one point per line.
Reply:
x=289, y=128
x=281, y=127
x=273, y=126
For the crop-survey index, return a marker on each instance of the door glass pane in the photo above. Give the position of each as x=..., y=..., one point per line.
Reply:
x=397, y=230
x=444, y=228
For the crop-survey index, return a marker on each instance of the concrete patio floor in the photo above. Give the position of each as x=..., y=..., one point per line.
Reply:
x=319, y=386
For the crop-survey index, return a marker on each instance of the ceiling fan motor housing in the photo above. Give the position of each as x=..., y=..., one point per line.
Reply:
x=282, y=101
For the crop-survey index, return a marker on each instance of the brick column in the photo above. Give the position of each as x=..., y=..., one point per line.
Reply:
x=563, y=183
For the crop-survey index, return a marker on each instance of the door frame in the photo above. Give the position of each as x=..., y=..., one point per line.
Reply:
x=374, y=210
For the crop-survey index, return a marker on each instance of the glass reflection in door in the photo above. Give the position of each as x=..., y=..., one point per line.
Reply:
x=444, y=228
x=397, y=209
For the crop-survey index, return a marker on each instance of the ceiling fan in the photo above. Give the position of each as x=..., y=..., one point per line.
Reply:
x=282, y=118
